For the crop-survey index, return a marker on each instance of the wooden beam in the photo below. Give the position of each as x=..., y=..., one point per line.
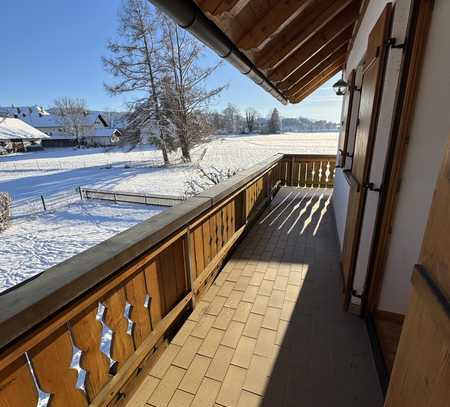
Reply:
x=231, y=7
x=209, y=6
x=309, y=49
x=316, y=78
x=305, y=27
x=311, y=89
x=278, y=16
x=330, y=49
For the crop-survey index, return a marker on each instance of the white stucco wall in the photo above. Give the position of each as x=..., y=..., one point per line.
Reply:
x=430, y=132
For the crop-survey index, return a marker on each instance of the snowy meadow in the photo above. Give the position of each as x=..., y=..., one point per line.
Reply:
x=37, y=239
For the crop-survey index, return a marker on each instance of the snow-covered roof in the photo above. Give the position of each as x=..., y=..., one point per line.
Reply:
x=11, y=129
x=102, y=132
x=37, y=116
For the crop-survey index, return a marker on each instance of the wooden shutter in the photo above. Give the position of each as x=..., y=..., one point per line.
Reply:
x=421, y=373
x=365, y=138
x=346, y=119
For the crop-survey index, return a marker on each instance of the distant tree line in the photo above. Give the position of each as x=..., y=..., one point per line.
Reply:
x=232, y=121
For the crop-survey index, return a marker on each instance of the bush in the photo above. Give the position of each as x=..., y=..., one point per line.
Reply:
x=5, y=210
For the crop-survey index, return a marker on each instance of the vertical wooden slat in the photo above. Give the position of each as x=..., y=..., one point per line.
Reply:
x=51, y=363
x=219, y=239
x=213, y=234
x=86, y=333
x=136, y=291
x=225, y=224
x=153, y=284
x=206, y=242
x=167, y=276
x=181, y=277
x=198, y=249
x=122, y=345
x=17, y=388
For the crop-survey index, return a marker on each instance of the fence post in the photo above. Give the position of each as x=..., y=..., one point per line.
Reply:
x=43, y=202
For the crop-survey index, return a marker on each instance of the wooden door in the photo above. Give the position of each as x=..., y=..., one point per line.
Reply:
x=372, y=83
x=421, y=373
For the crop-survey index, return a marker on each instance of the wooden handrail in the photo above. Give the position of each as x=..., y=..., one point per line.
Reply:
x=132, y=287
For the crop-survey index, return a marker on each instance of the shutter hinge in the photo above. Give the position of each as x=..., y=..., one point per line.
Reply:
x=392, y=42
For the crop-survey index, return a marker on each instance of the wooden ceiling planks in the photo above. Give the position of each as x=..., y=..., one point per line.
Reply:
x=295, y=43
x=318, y=81
x=309, y=49
x=335, y=46
x=274, y=20
x=299, y=31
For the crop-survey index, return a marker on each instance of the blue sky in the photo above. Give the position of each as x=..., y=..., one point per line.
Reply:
x=53, y=48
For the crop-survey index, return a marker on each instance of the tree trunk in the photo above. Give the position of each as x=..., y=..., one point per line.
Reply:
x=185, y=151
x=165, y=154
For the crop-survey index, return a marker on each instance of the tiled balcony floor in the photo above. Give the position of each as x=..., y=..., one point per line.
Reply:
x=271, y=331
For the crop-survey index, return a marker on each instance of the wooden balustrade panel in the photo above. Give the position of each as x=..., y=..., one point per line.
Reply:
x=17, y=388
x=239, y=210
x=136, y=294
x=86, y=334
x=122, y=344
x=153, y=284
x=51, y=361
x=173, y=274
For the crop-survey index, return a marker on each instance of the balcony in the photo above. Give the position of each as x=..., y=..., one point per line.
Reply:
x=231, y=298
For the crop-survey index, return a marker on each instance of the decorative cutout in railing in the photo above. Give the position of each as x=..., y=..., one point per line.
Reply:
x=106, y=339
x=43, y=397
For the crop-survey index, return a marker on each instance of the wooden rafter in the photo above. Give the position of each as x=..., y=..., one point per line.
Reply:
x=301, y=29
x=233, y=7
x=278, y=16
x=331, y=48
x=309, y=49
x=322, y=70
x=311, y=89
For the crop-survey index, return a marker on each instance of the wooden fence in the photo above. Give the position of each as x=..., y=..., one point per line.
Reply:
x=83, y=332
x=130, y=197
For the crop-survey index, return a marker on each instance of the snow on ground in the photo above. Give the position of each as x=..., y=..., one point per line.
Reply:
x=36, y=242
x=31, y=245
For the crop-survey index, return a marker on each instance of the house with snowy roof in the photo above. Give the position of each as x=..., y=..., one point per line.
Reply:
x=16, y=135
x=52, y=124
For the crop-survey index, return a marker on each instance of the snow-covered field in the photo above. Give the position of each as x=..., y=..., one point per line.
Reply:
x=35, y=242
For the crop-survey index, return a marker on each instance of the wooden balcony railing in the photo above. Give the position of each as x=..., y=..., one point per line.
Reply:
x=82, y=332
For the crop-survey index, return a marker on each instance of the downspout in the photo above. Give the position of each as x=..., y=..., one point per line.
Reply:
x=189, y=16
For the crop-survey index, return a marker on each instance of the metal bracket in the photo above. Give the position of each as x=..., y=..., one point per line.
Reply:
x=371, y=187
x=392, y=42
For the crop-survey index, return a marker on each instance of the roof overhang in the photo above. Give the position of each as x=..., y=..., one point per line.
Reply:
x=290, y=47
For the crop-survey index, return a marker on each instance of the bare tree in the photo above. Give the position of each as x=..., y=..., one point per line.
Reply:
x=190, y=98
x=251, y=115
x=137, y=64
x=232, y=118
x=71, y=114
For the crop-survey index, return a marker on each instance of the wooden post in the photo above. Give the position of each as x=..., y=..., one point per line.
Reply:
x=43, y=202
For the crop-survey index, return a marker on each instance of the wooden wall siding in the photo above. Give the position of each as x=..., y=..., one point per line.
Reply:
x=89, y=350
